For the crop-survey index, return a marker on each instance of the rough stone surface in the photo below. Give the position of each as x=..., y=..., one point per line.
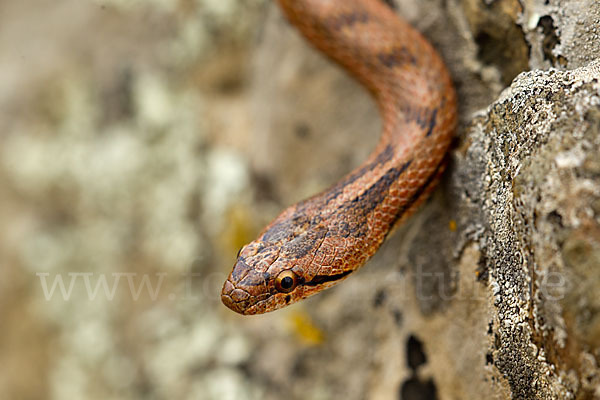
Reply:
x=526, y=176
x=143, y=142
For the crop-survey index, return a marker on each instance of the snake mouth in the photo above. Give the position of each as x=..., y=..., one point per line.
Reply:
x=322, y=279
x=234, y=298
x=232, y=305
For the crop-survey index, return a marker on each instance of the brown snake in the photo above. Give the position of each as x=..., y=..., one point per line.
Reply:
x=318, y=242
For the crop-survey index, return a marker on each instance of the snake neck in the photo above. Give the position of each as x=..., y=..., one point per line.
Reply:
x=417, y=103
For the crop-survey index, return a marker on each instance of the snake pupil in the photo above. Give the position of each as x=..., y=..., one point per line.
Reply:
x=287, y=282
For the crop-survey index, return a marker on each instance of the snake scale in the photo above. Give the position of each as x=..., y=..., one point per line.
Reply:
x=316, y=243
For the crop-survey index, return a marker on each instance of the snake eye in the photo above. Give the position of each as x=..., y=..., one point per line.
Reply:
x=286, y=281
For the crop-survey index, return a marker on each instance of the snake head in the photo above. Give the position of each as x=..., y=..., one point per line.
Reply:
x=248, y=282
x=277, y=269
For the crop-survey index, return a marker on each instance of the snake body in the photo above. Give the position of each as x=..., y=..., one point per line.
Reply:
x=318, y=242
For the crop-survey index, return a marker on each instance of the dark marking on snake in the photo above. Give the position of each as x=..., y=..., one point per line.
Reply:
x=349, y=19
x=285, y=229
x=241, y=270
x=424, y=117
x=390, y=4
x=431, y=122
x=397, y=57
x=375, y=194
x=303, y=244
x=383, y=157
x=254, y=278
x=320, y=279
x=365, y=203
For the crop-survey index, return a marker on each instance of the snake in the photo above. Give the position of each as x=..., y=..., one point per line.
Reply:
x=318, y=242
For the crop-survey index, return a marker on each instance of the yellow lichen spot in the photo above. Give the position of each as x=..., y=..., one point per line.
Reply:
x=304, y=328
x=452, y=225
x=239, y=229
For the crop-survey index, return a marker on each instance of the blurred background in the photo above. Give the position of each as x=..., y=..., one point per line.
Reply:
x=132, y=169
x=142, y=143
